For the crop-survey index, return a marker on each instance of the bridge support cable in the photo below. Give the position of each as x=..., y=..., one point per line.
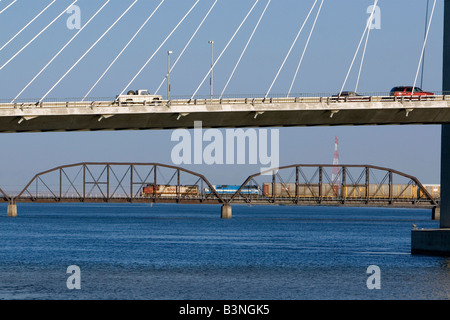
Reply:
x=60, y=51
x=245, y=48
x=423, y=47
x=123, y=50
x=28, y=24
x=159, y=48
x=365, y=48
x=187, y=44
x=290, y=49
x=366, y=30
x=37, y=35
x=89, y=50
x=9, y=5
x=225, y=49
x=306, y=47
x=425, y=34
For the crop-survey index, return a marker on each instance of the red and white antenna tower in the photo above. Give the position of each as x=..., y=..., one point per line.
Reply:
x=336, y=177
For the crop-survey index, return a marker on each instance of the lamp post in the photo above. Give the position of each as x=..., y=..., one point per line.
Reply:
x=212, y=67
x=168, y=74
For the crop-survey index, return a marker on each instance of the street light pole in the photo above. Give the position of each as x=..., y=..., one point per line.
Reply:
x=212, y=67
x=168, y=74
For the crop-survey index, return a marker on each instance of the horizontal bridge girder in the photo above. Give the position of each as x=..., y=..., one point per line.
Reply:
x=287, y=112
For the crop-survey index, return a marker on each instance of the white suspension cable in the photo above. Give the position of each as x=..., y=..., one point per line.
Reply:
x=123, y=50
x=226, y=47
x=368, y=24
x=60, y=51
x=187, y=44
x=306, y=46
x=84, y=55
x=362, y=60
x=245, y=48
x=9, y=5
x=162, y=44
x=423, y=48
x=364, y=52
x=290, y=49
x=26, y=26
x=36, y=36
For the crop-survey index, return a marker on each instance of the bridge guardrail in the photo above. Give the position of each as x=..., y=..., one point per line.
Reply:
x=232, y=101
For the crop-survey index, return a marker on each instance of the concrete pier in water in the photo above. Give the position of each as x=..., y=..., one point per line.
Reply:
x=12, y=210
x=437, y=241
x=226, y=211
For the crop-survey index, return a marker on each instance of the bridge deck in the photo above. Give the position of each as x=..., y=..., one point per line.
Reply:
x=224, y=113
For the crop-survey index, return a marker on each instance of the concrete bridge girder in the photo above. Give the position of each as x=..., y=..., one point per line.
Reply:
x=109, y=116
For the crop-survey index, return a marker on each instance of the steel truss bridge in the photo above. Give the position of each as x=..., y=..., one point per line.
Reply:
x=299, y=184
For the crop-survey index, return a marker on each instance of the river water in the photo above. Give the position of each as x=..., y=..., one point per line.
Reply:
x=175, y=252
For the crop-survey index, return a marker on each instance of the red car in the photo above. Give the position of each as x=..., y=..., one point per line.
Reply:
x=407, y=91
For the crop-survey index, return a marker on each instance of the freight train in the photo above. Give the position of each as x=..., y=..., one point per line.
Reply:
x=167, y=191
x=194, y=191
x=288, y=190
x=375, y=191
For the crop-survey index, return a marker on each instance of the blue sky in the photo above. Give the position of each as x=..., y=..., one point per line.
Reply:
x=392, y=58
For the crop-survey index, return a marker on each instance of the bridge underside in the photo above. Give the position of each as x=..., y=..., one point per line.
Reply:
x=107, y=116
x=379, y=203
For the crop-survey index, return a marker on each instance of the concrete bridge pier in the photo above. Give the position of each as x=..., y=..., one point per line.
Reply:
x=436, y=214
x=226, y=211
x=437, y=241
x=12, y=210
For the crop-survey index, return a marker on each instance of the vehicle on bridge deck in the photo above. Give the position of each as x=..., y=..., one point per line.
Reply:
x=140, y=97
x=167, y=191
x=408, y=92
x=349, y=96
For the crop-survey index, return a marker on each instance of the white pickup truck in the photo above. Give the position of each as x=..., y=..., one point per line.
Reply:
x=140, y=97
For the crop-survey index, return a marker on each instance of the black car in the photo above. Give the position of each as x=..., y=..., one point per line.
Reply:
x=347, y=94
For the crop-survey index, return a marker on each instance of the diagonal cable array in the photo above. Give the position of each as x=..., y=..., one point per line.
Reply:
x=366, y=30
x=60, y=51
x=123, y=50
x=9, y=5
x=290, y=49
x=36, y=36
x=226, y=47
x=306, y=46
x=245, y=48
x=187, y=44
x=93, y=45
x=26, y=26
x=162, y=44
x=423, y=47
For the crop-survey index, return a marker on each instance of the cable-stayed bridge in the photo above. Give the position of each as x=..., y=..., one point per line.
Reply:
x=18, y=114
